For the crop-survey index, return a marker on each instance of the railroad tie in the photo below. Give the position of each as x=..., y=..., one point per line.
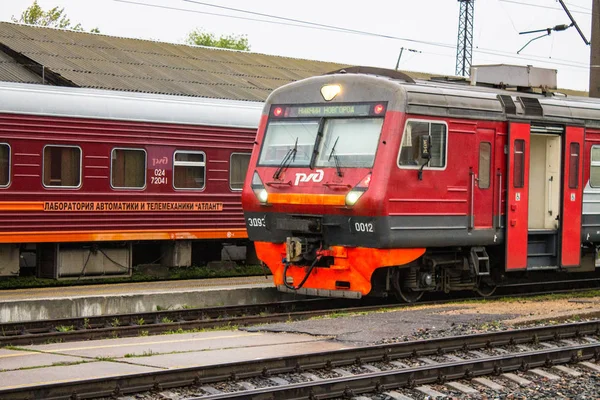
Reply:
x=478, y=354
x=452, y=357
x=246, y=385
x=427, y=361
x=488, y=383
x=567, y=371
x=310, y=377
x=342, y=372
x=428, y=391
x=517, y=379
x=397, y=396
x=279, y=381
x=590, y=366
x=399, y=364
x=211, y=390
x=544, y=374
x=462, y=388
x=371, y=368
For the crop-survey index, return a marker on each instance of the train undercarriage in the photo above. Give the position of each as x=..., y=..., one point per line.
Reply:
x=478, y=269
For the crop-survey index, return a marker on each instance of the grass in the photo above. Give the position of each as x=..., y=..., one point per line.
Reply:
x=65, y=328
x=147, y=353
x=194, y=272
x=180, y=331
x=54, y=364
x=111, y=359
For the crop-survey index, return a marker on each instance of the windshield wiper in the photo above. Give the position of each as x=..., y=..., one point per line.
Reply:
x=335, y=158
x=289, y=157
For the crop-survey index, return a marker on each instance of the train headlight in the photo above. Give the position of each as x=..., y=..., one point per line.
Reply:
x=259, y=189
x=330, y=91
x=262, y=195
x=352, y=197
x=357, y=191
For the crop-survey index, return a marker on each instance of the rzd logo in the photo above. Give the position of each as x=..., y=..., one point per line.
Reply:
x=316, y=177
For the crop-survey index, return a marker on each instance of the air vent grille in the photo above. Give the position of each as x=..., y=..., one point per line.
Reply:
x=532, y=106
x=508, y=104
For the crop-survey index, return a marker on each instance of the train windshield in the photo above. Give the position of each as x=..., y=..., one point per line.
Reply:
x=349, y=142
x=352, y=141
x=283, y=137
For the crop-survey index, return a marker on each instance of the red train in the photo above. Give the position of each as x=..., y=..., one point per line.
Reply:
x=85, y=174
x=365, y=181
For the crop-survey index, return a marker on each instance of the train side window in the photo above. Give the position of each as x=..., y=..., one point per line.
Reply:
x=128, y=168
x=519, y=167
x=4, y=164
x=238, y=166
x=574, y=166
x=409, y=150
x=595, y=167
x=485, y=151
x=189, y=170
x=62, y=166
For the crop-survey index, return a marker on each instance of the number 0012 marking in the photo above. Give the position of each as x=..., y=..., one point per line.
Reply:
x=363, y=227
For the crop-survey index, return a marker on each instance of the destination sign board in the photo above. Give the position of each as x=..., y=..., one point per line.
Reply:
x=328, y=110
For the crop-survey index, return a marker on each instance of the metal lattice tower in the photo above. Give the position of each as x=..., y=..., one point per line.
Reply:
x=464, y=45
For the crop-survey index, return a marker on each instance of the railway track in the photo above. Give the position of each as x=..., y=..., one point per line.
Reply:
x=157, y=322
x=354, y=371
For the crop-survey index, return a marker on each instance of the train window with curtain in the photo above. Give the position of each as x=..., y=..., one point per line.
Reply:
x=238, y=166
x=4, y=164
x=485, y=161
x=595, y=167
x=189, y=170
x=519, y=161
x=128, y=169
x=410, y=155
x=62, y=166
x=573, y=165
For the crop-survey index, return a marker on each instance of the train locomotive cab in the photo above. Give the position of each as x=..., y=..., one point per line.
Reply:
x=314, y=198
x=366, y=182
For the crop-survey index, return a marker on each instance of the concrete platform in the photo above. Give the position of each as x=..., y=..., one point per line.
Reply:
x=92, y=300
x=35, y=365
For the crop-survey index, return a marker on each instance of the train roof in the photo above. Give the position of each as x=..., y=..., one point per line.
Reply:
x=22, y=98
x=460, y=99
x=452, y=99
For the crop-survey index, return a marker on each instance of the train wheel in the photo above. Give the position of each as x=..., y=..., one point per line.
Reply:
x=485, y=289
x=403, y=293
x=408, y=295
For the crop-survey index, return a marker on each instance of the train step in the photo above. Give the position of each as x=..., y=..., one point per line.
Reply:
x=480, y=260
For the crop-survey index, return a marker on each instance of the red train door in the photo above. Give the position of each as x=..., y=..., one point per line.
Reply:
x=570, y=239
x=517, y=192
x=482, y=180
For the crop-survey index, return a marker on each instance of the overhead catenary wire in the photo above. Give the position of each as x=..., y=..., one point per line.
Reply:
x=285, y=21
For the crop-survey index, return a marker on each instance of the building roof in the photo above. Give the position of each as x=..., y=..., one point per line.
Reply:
x=92, y=60
x=69, y=58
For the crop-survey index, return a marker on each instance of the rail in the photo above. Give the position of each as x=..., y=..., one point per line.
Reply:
x=353, y=384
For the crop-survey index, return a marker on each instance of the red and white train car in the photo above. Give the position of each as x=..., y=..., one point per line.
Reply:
x=365, y=181
x=85, y=173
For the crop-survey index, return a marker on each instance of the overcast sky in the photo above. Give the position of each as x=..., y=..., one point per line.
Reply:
x=382, y=28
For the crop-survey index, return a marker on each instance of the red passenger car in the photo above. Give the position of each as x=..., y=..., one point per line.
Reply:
x=84, y=174
x=365, y=181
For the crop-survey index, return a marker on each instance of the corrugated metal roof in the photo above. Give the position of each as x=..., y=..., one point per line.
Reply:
x=100, y=61
x=106, y=62
x=12, y=71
